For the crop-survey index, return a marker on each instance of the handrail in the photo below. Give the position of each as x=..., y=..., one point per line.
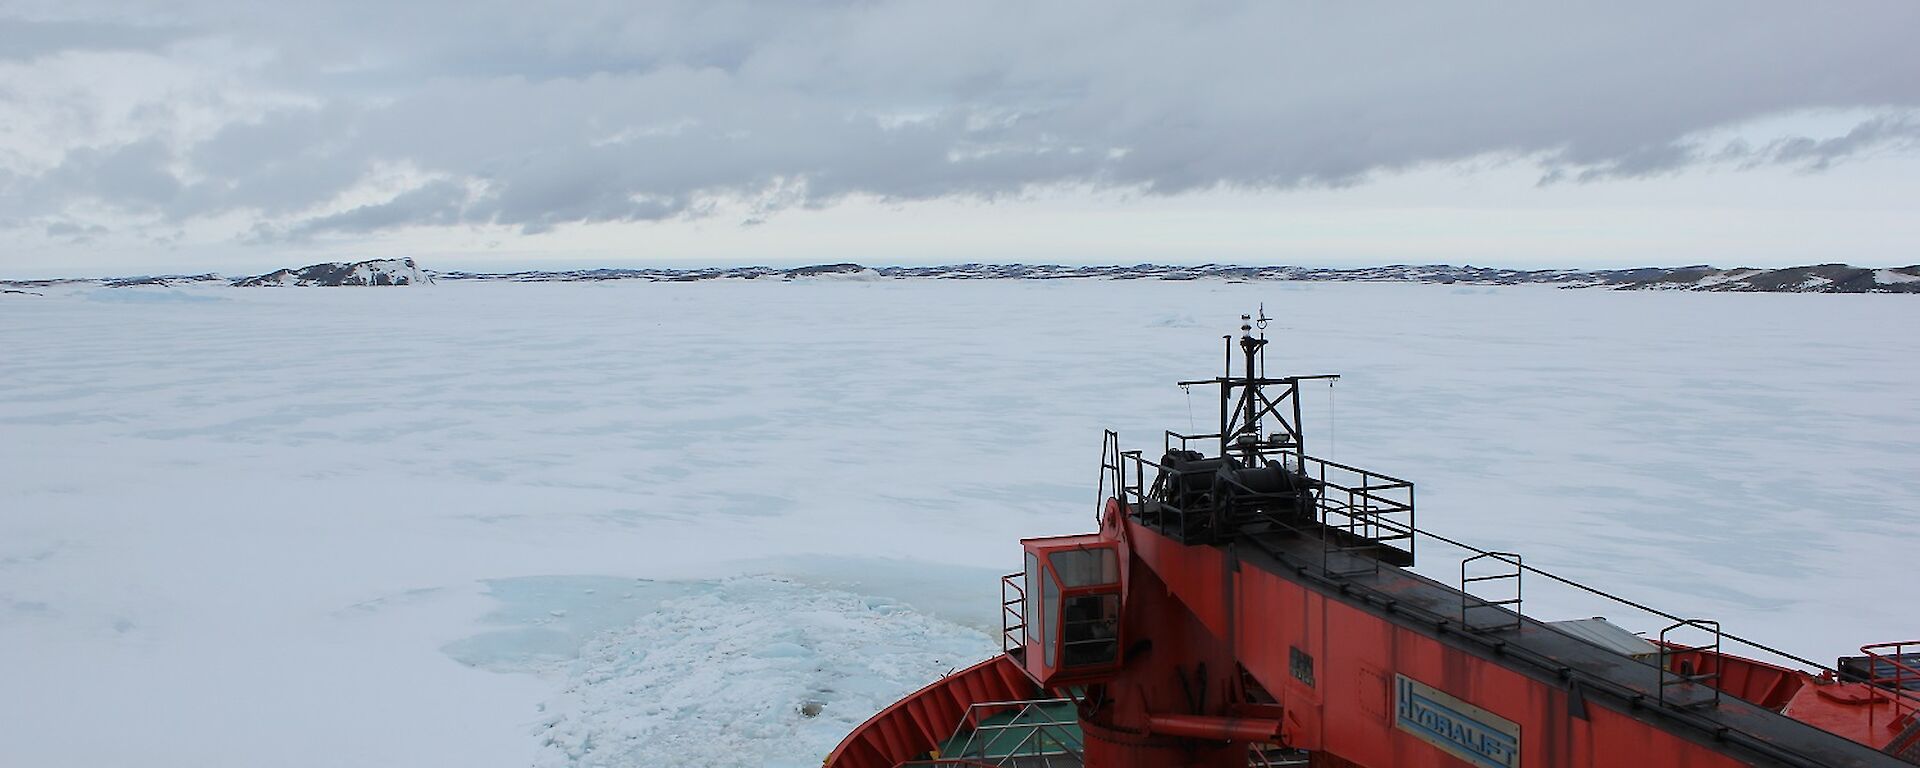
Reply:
x=1367, y=506
x=1408, y=531
x=1670, y=677
x=1725, y=636
x=1902, y=674
x=914, y=724
x=1037, y=732
x=1013, y=617
x=1362, y=497
x=1470, y=601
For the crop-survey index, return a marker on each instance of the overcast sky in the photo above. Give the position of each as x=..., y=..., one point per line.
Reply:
x=157, y=137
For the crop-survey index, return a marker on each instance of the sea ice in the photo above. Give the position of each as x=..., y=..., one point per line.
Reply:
x=341, y=526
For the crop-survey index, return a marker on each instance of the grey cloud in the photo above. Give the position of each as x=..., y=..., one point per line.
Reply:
x=281, y=162
x=1883, y=132
x=537, y=117
x=133, y=175
x=28, y=39
x=74, y=232
x=438, y=202
x=1898, y=132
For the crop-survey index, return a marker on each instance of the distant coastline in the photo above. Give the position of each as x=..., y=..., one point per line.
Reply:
x=1818, y=278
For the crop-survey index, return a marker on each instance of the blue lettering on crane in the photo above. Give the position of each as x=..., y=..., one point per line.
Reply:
x=1461, y=729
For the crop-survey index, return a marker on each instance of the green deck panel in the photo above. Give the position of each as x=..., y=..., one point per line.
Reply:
x=1062, y=736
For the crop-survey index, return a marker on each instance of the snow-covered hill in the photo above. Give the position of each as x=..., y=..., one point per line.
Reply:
x=374, y=272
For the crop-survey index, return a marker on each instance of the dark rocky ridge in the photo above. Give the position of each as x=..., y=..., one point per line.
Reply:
x=663, y=274
x=130, y=282
x=1820, y=278
x=1823, y=278
x=340, y=273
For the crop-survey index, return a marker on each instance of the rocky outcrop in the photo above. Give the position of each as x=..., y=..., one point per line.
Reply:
x=359, y=273
x=162, y=280
x=831, y=270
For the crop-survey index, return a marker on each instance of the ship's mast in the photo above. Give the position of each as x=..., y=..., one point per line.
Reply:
x=1250, y=398
x=1245, y=406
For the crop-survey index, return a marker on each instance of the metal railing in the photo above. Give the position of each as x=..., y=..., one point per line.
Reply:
x=1908, y=674
x=1041, y=738
x=1894, y=674
x=1901, y=674
x=1379, y=511
x=1364, y=504
x=1470, y=601
x=1369, y=510
x=1260, y=756
x=1685, y=675
x=1013, y=618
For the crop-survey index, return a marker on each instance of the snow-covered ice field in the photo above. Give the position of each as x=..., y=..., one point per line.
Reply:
x=613, y=524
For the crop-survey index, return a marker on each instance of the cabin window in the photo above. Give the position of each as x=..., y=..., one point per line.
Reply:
x=1030, y=614
x=1090, y=630
x=1049, y=616
x=1086, y=567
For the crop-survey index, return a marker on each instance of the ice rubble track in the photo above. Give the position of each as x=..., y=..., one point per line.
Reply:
x=751, y=672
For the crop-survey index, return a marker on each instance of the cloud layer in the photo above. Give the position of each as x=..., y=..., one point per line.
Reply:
x=350, y=117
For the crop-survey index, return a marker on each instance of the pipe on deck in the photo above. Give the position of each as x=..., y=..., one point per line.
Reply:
x=1252, y=729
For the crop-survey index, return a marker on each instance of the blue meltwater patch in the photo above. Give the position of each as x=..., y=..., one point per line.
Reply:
x=1461, y=729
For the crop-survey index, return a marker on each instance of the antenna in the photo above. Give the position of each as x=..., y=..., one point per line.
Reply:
x=1261, y=322
x=1260, y=417
x=1247, y=437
